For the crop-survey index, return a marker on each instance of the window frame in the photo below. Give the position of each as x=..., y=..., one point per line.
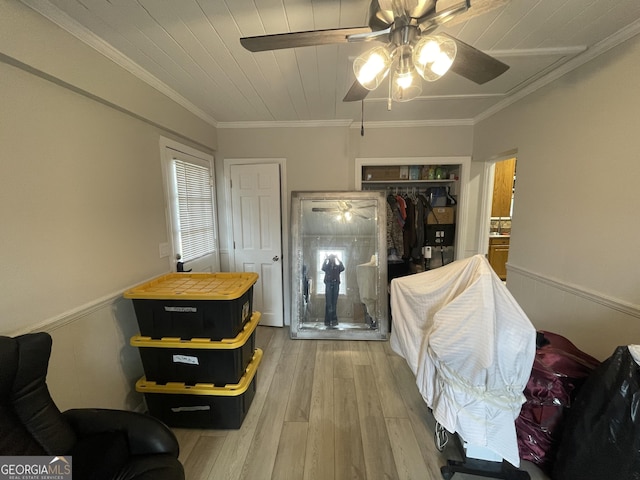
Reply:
x=171, y=152
x=192, y=209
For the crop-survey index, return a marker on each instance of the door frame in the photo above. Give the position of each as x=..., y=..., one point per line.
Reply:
x=165, y=145
x=487, y=198
x=284, y=222
x=463, y=219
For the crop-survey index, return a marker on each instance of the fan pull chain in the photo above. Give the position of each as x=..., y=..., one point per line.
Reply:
x=389, y=100
x=362, y=120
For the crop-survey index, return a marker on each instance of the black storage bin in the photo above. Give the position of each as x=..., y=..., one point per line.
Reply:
x=198, y=361
x=194, y=305
x=202, y=405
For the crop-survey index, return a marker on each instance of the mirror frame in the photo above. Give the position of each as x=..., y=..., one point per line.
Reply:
x=382, y=331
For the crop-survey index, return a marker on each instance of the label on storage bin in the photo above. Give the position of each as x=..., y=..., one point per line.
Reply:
x=181, y=309
x=195, y=408
x=245, y=311
x=186, y=359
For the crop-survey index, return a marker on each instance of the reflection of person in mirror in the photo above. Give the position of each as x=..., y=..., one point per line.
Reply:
x=332, y=267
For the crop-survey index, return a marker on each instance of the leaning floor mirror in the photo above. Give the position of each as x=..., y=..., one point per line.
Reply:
x=339, y=265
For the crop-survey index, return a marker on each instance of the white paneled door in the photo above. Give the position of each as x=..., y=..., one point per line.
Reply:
x=257, y=240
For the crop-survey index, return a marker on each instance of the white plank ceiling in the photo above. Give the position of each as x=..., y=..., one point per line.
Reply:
x=190, y=50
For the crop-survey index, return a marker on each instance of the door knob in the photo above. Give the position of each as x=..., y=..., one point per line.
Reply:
x=275, y=258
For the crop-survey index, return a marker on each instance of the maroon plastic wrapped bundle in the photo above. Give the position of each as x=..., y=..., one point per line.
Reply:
x=559, y=370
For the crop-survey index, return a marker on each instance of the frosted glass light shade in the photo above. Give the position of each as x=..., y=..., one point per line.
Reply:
x=405, y=85
x=433, y=55
x=372, y=67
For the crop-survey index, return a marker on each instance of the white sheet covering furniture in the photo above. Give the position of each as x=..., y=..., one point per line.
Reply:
x=471, y=348
x=367, y=278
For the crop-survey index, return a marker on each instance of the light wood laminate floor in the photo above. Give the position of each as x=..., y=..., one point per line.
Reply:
x=329, y=410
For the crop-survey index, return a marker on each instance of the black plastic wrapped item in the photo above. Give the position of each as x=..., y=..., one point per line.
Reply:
x=601, y=440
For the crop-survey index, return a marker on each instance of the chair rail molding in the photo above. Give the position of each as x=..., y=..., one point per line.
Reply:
x=622, y=306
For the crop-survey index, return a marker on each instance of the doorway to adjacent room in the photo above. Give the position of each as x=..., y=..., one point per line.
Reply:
x=500, y=193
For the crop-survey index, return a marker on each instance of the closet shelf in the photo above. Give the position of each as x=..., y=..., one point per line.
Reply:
x=405, y=182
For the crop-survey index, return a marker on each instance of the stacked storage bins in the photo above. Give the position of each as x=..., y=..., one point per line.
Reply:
x=197, y=345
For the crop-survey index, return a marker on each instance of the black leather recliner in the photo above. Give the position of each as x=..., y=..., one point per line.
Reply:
x=104, y=444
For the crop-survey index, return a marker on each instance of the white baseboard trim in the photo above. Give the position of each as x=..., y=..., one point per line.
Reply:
x=593, y=296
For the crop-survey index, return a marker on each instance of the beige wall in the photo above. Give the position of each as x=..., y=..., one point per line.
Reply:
x=83, y=209
x=81, y=202
x=323, y=158
x=315, y=156
x=574, y=252
x=577, y=166
x=29, y=39
x=82, y=213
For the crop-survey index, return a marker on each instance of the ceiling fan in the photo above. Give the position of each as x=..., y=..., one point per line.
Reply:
x=344, y=210
x=411, y=50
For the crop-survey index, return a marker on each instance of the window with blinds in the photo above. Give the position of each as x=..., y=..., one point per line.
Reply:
x=194, y=206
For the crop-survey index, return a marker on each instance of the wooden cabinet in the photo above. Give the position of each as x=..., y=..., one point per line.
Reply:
x=498, y=255
x=503, y=188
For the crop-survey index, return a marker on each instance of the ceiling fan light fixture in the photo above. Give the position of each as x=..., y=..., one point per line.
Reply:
x=344, y=217
x=405, y=83
x=405, y=86
x=433, y=55
x=372, y=67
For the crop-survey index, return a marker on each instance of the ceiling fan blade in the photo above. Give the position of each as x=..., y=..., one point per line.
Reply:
x=374, y=36
x=356, y=93
x=442, y=15
x=279, y=41
x=380, y=14
x=475, y=65
x=478, y=7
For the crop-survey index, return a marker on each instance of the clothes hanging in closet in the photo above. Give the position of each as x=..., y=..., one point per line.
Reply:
x=406, y=216
x=395, y=224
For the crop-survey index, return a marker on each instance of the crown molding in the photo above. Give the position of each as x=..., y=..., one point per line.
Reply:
x=350, y=123
x=455, y=122
x=64, y=21
x=286, y=124
x=586, y=56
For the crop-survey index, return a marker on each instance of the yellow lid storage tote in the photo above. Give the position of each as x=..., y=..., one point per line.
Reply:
x=199, y=360
x=202, y=405
x=194, y=305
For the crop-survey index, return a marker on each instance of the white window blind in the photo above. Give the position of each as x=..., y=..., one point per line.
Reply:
x=196, y=224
